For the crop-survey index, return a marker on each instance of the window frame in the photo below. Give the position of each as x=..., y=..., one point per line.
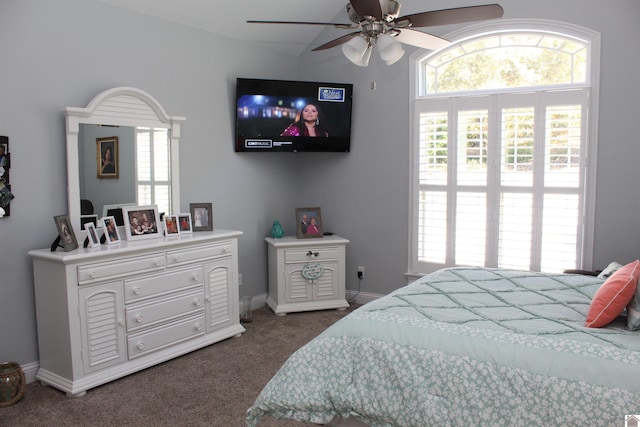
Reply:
x=592, y=39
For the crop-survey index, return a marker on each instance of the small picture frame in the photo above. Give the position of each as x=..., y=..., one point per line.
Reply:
x=171, y=226
x=184, y=223
x=308, y=223
x=202, y=216
x=65, y=231
x=111, y=233
x=92, y=234
x=141, y=222
x=107, y=157
x=88, y=219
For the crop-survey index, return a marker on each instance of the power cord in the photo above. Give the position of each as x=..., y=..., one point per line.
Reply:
x=352, y=300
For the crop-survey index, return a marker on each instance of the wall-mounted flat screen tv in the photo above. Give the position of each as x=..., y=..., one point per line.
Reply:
x=292, y=116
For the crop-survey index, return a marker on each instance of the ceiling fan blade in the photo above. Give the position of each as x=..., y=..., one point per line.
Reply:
x=333, y=24
x=420, y=39
x=336, y=42
x=453, y=16
x=367, y=8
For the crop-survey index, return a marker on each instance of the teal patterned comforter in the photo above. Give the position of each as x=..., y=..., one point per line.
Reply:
x=465, y=346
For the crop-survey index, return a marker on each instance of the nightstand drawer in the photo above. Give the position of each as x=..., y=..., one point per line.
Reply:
x=184, y=256
x=163, y=310
x=89, y=273
x=311, y=254
x=143, y=343
x=150, y=286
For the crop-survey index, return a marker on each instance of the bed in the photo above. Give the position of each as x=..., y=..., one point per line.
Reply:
x=465, y=346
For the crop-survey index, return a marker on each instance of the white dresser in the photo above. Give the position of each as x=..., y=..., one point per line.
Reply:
x=107, y=312
x=306, y=274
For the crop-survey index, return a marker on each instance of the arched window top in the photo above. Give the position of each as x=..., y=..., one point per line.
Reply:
x=506, y=59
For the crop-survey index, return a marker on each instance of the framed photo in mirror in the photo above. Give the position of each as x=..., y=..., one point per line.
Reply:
x=107, y=157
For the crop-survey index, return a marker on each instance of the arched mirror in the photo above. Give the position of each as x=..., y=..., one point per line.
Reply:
x=122, y=149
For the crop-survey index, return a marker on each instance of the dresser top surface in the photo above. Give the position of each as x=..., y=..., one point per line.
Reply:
x=293, y=241
x=124, y=247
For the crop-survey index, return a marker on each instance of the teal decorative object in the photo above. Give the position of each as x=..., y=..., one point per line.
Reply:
x=277, y=231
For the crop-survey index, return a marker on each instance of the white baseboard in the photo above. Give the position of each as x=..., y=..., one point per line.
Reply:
x=30, y=370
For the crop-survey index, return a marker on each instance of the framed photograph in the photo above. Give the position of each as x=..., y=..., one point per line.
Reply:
x=88, y=219
x=309, y=223
x=184, y=223
x=202, y=216
x=141, y=222
x=92, y=234
x=107, y=157
x=111, y=232
x=171, y=225
x=65, y=231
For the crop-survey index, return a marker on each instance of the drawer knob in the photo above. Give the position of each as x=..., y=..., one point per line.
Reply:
x=157, y=263
x=196, y=277
x=313, y=254
x=197, y=302
x=93, y=274
x=137, y=291
x=139, y=318
x=176, y=259
x=140, y=346
x=198, y=326
x=121, y=322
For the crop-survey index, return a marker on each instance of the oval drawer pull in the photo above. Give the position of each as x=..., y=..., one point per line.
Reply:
x=137, y=291
x=140, y=346
x=139, y=318
x=198, y=326
x=313, y=254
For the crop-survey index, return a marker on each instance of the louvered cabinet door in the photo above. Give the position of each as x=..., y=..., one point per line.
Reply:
x=220, y=295
x=102, y=325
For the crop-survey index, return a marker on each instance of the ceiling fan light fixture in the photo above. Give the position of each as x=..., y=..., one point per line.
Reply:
x=389, y=49
x=357, y=51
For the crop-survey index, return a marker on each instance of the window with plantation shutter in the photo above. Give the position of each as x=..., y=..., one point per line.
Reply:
x=500, y=168
x=153, y=167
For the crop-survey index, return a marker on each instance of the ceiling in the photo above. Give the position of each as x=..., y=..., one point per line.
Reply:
x=228, y=18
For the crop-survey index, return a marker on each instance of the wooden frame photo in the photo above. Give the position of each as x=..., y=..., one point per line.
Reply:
x=111, y=233
x=184, y=223
x=308, y=223
x=65, y=231
x=141, y=222
x=107, y=157
x=171, y=226
x=202, y=216
x=92, y=234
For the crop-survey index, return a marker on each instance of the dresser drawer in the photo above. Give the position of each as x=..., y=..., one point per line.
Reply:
x=89, y=273
x=311, y=254
x=184, y=256
x=155, y=339
x=156, y=285
x=163, y=310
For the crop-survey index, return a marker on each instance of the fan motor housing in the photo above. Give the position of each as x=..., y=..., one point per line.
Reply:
x=390, y=11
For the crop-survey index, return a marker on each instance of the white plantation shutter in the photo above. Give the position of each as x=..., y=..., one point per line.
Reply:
x=153, y=167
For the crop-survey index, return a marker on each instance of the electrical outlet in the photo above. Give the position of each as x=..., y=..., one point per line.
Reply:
x=360, y=272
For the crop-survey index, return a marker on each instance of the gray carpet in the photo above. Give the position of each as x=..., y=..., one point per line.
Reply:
x=213, y=386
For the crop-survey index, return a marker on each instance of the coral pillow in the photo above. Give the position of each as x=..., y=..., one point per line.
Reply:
x=613, y=296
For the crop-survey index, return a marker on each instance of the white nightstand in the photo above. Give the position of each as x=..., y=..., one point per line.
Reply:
x=306, y=274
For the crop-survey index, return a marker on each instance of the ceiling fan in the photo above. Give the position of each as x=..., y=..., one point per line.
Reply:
x=379, y=24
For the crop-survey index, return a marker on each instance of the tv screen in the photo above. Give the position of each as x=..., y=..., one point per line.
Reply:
x=292, y=116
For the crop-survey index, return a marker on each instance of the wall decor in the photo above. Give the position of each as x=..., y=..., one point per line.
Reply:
x=111, y=233
x=5, y=187
x=66, y=236
x=202, y=215
x=92, y=235
x=141, y=222
x=107, y=157
x=309, y=223
x=184, y=223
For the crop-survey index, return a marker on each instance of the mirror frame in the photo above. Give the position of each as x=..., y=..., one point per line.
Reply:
x=120, y=106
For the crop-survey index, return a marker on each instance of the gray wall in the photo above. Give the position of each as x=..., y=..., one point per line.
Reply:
x=63, y=53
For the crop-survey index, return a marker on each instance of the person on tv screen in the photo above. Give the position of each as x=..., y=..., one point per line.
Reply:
x=309, y=123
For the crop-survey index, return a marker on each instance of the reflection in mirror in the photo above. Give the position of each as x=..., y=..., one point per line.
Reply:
x=144, y=168
x=147, y=153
